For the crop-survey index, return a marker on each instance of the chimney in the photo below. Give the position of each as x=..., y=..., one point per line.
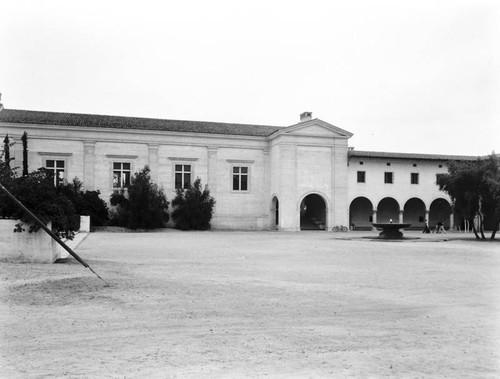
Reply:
x=306, y=116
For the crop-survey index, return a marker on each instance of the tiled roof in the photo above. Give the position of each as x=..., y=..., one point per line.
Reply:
x=121, y=122
x=384, y=154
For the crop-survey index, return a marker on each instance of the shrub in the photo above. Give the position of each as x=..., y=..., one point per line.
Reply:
x=37, y=192
x=7, y=176
x=61, y=205
x=86, y=202
x=193, y=208
x=143, y=205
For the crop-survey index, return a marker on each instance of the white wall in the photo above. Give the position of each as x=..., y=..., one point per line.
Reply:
x=401, y=190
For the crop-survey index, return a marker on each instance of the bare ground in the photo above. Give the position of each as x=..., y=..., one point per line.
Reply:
x=255, y=304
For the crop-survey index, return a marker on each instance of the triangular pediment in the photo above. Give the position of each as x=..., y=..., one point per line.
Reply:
x=314, y=128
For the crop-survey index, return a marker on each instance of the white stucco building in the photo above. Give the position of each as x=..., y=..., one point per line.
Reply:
x=302, y=176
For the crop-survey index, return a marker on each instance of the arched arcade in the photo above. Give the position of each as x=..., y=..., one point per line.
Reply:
x=313, y=213
x=361, y=214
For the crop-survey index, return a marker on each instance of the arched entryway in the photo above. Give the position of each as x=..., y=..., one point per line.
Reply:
x=387, y=210
x=414, y=213
x=313, y=213
x=275, y=213
x=360, y=214
x=440, y=210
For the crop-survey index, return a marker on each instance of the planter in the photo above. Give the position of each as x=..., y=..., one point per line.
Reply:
x=36, y=247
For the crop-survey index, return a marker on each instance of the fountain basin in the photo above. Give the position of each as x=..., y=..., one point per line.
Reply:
x=390, y=231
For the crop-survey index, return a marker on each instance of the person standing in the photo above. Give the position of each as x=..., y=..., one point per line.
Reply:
x=426, y=227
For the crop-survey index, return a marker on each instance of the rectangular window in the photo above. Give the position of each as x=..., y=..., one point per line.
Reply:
x=414, y=178
x=56, y=168
x=121, y=175
x=361, y=176
x=182, y=176
x=388, y=177
x=240, y=178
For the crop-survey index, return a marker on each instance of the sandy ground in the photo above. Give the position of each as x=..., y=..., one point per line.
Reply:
x=255, y=304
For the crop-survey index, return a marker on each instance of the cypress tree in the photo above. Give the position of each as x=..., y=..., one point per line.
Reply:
x=25, y=153
x=6, y=150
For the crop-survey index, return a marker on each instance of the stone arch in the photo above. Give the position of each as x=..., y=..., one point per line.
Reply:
x=361, y=213
x=414, y=213
x=440, y=210
x=313, y=212
x=388, y=209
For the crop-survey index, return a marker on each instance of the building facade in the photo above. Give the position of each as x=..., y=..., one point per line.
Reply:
x=292, y=178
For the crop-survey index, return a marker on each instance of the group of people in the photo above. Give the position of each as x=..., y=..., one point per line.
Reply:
x=439, y=227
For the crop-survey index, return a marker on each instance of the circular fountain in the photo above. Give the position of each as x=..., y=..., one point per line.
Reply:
x=390, y=231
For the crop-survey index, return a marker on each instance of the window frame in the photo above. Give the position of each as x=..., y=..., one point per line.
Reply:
x=414, y=178
x=363, y=177
x=240, y=175
x=179, y=160
x=183, y=173
x=54, y=170
x=131, y=170
x=240, y=163
x=386, y=173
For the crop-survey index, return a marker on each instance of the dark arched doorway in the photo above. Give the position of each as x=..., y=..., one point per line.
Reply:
x=414, y=213
x=440, y=210
x=275, y=213
x=360, y=214
x=313, y=213
x=387, y=210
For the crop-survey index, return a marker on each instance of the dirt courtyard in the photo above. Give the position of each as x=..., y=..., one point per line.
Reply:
x=255, y=304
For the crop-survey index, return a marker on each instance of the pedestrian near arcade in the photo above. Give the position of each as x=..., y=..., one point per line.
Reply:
x=426, y=227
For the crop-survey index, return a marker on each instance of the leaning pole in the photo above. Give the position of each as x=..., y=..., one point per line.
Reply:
x=49, y=232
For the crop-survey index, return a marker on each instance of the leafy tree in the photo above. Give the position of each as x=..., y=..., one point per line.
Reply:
x=490, y=192
x=193, y=208
x=143, y=205
x=474, y=188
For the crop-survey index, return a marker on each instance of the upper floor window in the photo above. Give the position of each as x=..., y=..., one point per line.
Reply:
x=414, y=178
x=182, y=176
x=56, y=168
x=121, y=175
x=361, y=176
x=240, y=178
x=388, y=177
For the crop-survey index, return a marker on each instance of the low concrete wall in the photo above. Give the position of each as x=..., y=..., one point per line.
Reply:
x=27, y=247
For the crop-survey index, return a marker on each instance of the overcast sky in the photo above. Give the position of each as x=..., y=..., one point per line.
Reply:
x=409, y=76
